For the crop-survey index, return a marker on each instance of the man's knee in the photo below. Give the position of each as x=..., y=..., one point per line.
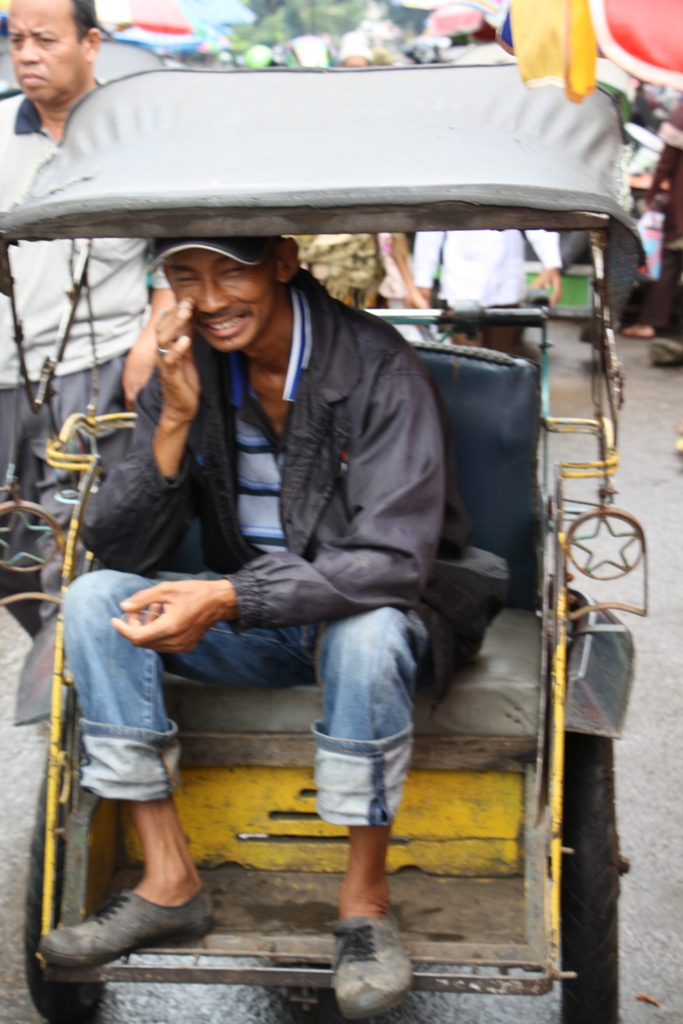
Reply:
x=95, y=589
x=92, y=599
x=383, y=626
x=372, y=645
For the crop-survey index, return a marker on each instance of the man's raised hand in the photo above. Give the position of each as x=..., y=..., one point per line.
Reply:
x=180, y=388
x=178, y=376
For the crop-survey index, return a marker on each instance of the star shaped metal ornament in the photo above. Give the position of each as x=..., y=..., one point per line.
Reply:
x=43, y=535
x=607, y=547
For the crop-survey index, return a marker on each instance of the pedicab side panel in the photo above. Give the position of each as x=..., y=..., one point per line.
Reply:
x=468, y=824
x=600, y=671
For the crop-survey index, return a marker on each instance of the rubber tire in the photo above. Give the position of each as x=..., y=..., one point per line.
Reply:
x=590, y=883
x=58, y=1002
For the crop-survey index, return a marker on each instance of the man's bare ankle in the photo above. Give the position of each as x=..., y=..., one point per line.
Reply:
x=168, y=893
x=359, y=904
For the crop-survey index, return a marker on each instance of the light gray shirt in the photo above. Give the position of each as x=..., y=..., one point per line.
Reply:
x=41, y=271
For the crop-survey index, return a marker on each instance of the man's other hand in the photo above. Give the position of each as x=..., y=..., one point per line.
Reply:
x=416, y=298
x=142, y=357
x=549, y=280
x=173, y=617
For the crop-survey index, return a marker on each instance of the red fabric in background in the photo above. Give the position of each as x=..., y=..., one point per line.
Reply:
x=160, y=16
x=652, y=31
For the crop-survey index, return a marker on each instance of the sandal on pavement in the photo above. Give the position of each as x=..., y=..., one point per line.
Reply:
x=372, y=970
x=123, y=923
x=644, y=331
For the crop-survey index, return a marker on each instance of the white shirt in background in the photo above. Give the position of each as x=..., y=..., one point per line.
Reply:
x=117, y=272
x=481, y=266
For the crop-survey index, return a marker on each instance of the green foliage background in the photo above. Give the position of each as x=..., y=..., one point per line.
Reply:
x=281, y=20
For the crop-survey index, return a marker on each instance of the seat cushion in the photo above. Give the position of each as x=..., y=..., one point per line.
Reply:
x=498, y=695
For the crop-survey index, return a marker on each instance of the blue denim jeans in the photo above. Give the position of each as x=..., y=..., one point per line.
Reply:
x=367, y=665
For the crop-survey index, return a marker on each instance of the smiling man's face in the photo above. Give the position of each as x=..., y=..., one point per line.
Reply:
x=235, y=304
x=53, y=66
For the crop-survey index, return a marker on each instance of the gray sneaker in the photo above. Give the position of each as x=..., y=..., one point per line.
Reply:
x=124, y=923
x=372, y=971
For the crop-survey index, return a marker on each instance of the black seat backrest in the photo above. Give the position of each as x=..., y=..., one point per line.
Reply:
x=494, y=403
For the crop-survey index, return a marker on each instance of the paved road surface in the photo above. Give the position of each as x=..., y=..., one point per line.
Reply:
x=649, y=766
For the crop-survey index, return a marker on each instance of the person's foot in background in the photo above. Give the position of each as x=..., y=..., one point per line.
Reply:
x=644, y=331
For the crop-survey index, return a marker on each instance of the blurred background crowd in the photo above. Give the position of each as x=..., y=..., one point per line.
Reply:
x=309, y=33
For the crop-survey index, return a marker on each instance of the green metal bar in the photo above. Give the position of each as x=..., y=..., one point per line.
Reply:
x=463, y=316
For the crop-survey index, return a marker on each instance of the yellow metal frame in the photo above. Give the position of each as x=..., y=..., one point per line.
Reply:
x=59, y=769
x=601, y=468
x=556, y=773
x=603, y=429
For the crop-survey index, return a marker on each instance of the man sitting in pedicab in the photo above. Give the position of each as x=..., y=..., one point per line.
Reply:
x=309, y=441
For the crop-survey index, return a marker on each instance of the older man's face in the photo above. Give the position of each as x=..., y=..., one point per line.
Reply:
x=52, y=65
x=234, y=304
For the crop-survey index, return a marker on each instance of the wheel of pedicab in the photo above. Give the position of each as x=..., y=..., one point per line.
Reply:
x=58, y=1002
x=590, y=883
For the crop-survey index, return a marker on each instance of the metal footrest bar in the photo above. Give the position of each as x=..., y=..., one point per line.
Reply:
x=306, y=977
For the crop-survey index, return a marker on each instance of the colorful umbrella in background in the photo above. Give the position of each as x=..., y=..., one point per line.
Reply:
x=175, y=27
x=165, y=16
x=454, y=20
x=173, y=17
x=644, y=40
x=218, y=13
x=491, y=9
x=172, y=44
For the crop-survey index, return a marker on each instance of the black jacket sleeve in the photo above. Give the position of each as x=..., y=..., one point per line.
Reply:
x=395, y=493
x=139, y=516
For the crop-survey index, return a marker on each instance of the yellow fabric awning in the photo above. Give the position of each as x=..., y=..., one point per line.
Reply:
x=555, y=44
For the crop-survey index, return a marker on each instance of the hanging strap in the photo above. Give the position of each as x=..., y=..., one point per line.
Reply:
x=43, y=391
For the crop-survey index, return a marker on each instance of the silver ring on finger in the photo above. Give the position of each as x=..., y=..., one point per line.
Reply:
x=163, y=351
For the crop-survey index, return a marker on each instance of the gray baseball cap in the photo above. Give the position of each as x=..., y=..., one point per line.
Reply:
x=244, y=250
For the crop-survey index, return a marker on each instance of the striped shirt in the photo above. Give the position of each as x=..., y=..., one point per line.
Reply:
x=259, y=461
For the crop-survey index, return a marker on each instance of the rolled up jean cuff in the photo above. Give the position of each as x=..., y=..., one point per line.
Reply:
x=122, y=763
x=360, y=782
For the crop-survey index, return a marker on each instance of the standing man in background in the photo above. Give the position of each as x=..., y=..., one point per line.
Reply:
x=487, y=267
x=54, y=44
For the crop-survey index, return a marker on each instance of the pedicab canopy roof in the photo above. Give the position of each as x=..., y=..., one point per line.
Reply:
x=291, y=150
